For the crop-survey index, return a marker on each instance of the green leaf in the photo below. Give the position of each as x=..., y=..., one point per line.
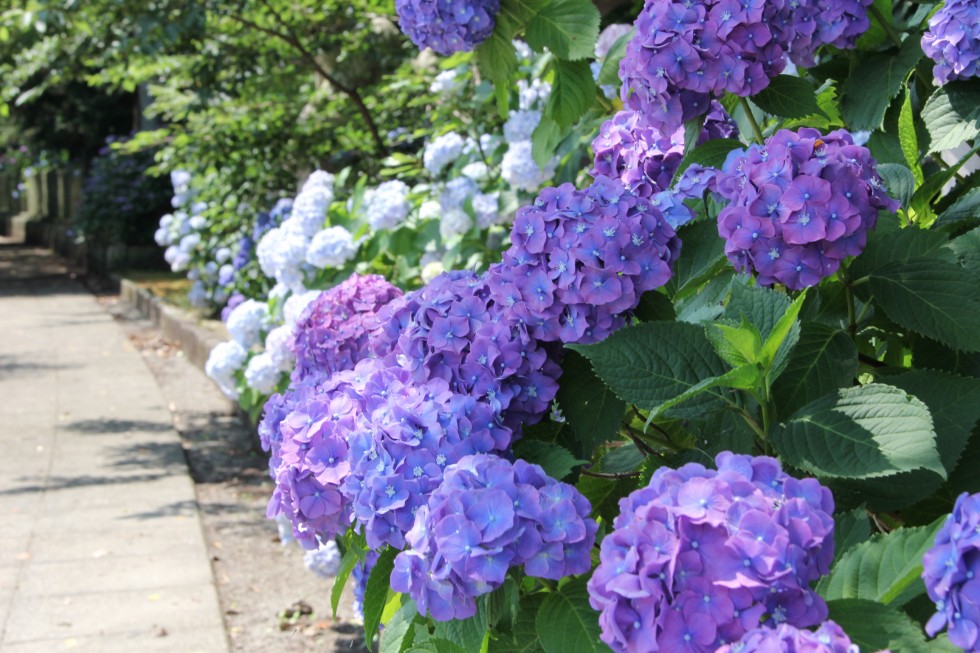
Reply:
x=864, y=432
x=900, y=182
x=376, y=592
x=568, y=28
x=556, y=460
x=609, y=73
x=952, y=115
x=889, y=244
x=469, y=633
x=967, y=249
x=497, y=61
x=566, y=623
x=908, y=138
x=783, y=338
x=762, y=307
x=829, y=116
x=739, y=345
x=850, y=529
x=399, y=634
x=437, y=646
x=875, y=627
x=622, y=460
x=544, y=141
x=887, y=568
x=875, y=81
x=352, y=556
x=788, y=96
x=654, y=362
x=937, y=299
x=525, y=632
x=966, y=207
x=824, y=360
x=704, y=257
x=711, y=154
x=920, y=205
x=572, y=92
x=592, y=410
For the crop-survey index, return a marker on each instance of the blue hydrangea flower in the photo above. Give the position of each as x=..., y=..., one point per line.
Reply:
x=699, y=557
x=487, y=516
x=953, y=41
x=799, y=205
x=784, y=638
x=580, y=259
x=951, y=571
x=447, y=26
x=685, y=53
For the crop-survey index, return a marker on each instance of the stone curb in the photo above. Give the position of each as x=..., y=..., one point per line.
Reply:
x=196, y=339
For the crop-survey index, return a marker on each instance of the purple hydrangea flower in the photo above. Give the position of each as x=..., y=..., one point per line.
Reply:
x=453, y=329
x=685, y=53
x=233, y=303
x=829, y=638
x=487, y=516
x=580, y=259
x=799, y=205
x=953, y=41
x=447, y=26
x=699, y=557
x=335, y=331
x=951, y=571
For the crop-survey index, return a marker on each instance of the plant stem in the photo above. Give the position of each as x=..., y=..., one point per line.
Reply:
x=752, y=121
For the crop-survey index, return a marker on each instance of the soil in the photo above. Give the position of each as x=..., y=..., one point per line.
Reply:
x=270, y=601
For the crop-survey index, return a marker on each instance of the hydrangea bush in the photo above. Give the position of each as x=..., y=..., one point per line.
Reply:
x=702, y=373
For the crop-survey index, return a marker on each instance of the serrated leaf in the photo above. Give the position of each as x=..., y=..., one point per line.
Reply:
x=566, y=623
x=952, y=115
x=783, y=338
x=889, y=244
x=711, y=154
x=967, y=249
x=739, y=345
x=850, y=529
x=497, y=61
x=609, y=73
x=907, y=137
x=436, y=645
x=876, y=627
x=399, y=634
x=828, y=119
x=556, y=461
x=762, y=307
x=966, y=207
x=572, y=92
x=469, y=633
x=376, y=592
x=937, y=299
x=875, y=81
x=652, y=363
x=568, y=28
x=920, y=205
x=622, y=460
x=704, y=257
x=900, y=182
x=886, y=568
x=351, y=557
x=592, y=410
x=788, y=96
x=824, y=360
x=524, y=632
x=545, y=139
x=864, y=432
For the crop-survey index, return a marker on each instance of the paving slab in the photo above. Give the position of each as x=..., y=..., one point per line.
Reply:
x=101, y=545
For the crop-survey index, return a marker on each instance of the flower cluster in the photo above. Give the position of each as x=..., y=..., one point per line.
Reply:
x=387, y=205
x=452, y=329
x=323, y=561
x=366, y=446
x=799, y=205
x=953, y=41
x=262, y=373
x=487, y=516
x=247, y=322
x=442, y=151
x=951, y=571
x=685, y=53
x=447, y=27
x=331, y=248
x=335, y=331
x=699, y=556
x=784, y=638
x=645, y=158
x=581, y=258
x=224, y=361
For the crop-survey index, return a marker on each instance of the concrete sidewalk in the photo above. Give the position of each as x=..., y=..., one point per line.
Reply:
x=101, y=547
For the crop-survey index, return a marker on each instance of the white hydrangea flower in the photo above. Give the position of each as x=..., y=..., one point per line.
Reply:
x=520, y=170
x=487, y=209
x=181, y=181
x=431, y=270
x=456, y=192
x=261, y=374
x=282, y=254
x=445, y=82
x=224, y=361
x=523, y=49
x=430, y=210
x=477, y=171
x=310, y=207
x=162, y=237
x=331, y=248
x=530, y=95
x=324, y=561
x=226, y=274
x=442, y=151
x=296, y=304
x=247, y=321
x=189, y=242
x=278, y=344
x=181, y=261
x=387, y=206
x=198, y=222
x=223, y=255
x=455, y=222
x=521, y=125
x=197, y=296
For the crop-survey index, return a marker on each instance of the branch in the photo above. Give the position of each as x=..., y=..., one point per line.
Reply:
x=290, y=38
